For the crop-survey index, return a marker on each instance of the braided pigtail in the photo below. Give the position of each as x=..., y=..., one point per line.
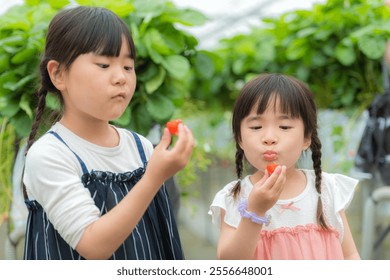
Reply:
x=39, y=111
x=239, y=169
x=316, y=157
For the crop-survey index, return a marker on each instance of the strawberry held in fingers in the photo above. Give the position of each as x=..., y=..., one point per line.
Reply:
x=173, y=126
x=271, y=168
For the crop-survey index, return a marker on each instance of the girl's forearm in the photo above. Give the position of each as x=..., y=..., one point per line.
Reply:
x=240, y=243
x=102, y=238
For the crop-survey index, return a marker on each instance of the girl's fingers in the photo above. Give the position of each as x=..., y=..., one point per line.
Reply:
x=267, y=190
x=269, y=180
x=280, y=180
x=185, y=141
x=273, y=182
x=191, y=141
x=165, y=140
x=261, y=182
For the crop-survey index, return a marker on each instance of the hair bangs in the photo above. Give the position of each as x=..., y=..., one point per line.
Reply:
x=283, y=94
x=106, y=43
x=110, y=43
x=84, y=30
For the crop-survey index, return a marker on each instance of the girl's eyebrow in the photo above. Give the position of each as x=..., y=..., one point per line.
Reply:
x=253, y=118
x=259, y=117
x=284, y=117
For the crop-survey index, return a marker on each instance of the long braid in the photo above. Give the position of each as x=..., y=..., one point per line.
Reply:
x=39, y=111
x=46, y=86
x=239, y=169
x=316, y=157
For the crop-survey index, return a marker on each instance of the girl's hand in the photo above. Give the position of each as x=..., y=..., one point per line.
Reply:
x=164, y=162
x=266, y=191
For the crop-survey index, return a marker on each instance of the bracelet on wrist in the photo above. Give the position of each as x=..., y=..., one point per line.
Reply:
x=242, y=209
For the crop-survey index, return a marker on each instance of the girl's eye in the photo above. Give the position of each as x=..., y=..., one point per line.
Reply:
x=102, y=65
x=128, y=68
x=256, y=127
x=285, y=127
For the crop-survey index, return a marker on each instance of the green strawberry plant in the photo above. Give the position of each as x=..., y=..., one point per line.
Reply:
x=336, y=48
x=163, y=63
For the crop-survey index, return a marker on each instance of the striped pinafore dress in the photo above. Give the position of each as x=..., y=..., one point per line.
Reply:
x=154, y=237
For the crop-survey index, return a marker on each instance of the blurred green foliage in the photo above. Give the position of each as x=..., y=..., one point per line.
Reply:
x=7, y=153
x=336, y=48
x=163, y=63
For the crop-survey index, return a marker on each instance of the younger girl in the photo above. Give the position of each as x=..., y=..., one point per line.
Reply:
x=291, y=213
x=96, y=191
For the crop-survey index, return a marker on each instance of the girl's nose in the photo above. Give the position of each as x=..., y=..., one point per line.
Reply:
x=119, y=77
x=269, y=138
x=269, y=141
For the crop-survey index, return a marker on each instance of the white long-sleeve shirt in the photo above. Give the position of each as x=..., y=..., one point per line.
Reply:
x=53, y=176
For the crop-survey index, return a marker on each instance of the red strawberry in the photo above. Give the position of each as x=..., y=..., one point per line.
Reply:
x=271, y=168
x=173, y=126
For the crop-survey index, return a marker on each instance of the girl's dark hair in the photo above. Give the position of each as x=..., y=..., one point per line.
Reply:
x=73, y=32
x=296, y=100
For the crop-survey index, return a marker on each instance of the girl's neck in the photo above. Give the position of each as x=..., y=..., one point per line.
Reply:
x=100, y=133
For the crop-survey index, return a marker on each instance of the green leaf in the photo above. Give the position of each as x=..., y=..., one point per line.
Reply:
x=306, y=32
x=125, y=119
x=23, y=55
x=24, y=104
x=15, y=40
x=18, y=85
x=204, y=65
x=239, y=66
x=296, y=50
x=188, y=17
x=120, y=7
x=32, y=2
x=322, y=34
x=10, y=108
x=149, y=8
x=4, y=62
x=160, y=107
x=6, y=77
x=372, y=46
x=345, y=53
x=178, y=66
x=154, y=55
x=14, y=19
x=22, y=124
x=58, y=4
x=52, y=102
x=173, y=38
x=155, y=41
x=142, y=120
x=156, y=81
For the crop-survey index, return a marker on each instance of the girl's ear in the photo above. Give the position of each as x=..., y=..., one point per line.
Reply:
x=56, y=74
x=306, y=143
x=240, y=145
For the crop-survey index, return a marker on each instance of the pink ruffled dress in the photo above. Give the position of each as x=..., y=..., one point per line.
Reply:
x=293, y=233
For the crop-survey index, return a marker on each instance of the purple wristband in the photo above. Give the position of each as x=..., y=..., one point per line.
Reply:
x=242, y=208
